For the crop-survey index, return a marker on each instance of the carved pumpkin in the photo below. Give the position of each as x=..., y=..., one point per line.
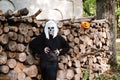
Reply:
x=85, y=25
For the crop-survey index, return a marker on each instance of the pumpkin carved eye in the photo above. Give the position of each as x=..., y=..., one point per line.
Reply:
x=85, y=25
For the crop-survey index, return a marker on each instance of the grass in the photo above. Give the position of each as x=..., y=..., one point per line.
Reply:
x=118, y=58
x=118, y=46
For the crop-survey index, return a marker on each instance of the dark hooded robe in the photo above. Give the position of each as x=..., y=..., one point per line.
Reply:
x=37, y=45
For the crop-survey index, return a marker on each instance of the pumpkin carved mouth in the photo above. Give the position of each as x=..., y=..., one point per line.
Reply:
x=85, y=25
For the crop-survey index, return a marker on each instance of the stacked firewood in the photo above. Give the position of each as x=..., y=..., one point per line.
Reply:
x=89, y=52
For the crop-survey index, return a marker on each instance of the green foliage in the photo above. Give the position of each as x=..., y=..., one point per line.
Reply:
x=89, y=7
x=118, y=59
x=117, y=12
x=98, y=78
x=86, y=74
x=116, y=77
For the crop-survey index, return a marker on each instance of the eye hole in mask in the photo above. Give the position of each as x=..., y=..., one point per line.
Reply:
x=50, y=27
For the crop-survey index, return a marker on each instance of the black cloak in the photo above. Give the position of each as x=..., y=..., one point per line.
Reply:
x=38, y=44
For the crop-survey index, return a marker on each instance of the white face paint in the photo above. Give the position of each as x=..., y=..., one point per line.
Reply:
x=51, y=29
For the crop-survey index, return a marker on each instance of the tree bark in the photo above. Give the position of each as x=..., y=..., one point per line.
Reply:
x=106, y=9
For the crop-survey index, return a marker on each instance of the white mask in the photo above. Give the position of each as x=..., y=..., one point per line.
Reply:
x=51, y=29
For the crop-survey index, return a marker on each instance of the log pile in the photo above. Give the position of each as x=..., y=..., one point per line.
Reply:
x=89, y=52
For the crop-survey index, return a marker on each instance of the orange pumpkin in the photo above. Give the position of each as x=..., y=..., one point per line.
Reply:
x=85, y=25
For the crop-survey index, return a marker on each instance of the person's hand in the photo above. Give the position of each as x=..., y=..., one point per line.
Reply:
x=57, y=52
x=46, y=49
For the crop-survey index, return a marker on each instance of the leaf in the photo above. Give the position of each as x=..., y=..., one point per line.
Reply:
x=86, y=74
x=89, y=7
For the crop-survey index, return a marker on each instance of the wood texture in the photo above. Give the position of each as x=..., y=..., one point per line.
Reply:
x=89, y=48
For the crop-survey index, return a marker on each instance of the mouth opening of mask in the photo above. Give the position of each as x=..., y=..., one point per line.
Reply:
x=51, y=30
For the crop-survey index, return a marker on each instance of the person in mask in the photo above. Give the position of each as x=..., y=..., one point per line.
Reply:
x=49, y=44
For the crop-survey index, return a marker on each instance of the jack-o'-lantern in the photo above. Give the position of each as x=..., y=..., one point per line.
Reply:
x=85, y=25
